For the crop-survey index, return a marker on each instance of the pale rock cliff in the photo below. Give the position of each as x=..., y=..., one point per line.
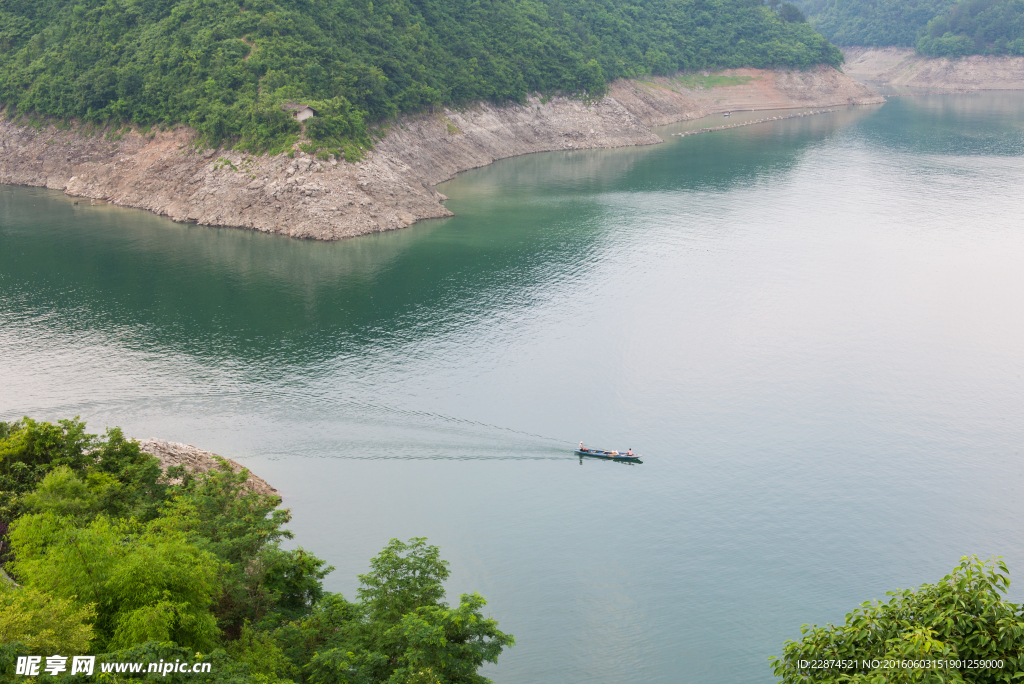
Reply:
x=394, y=186
x=660, y=101
x=904, y=67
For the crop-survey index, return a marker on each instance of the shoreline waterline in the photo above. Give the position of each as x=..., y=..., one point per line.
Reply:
x=393, y=187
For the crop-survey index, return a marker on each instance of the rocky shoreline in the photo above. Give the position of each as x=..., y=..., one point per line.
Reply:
x=393, y=187
x=198, y=461
x=903, y=67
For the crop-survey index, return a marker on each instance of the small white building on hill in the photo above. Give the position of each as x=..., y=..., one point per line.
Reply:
x=300, y=112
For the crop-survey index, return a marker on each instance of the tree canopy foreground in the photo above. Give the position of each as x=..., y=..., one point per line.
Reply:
x=960, y=629
x=104, y=554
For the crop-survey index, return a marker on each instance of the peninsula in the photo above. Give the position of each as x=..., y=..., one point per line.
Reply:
x=392, y=186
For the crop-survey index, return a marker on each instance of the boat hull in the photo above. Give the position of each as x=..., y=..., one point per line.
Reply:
x=596, y=453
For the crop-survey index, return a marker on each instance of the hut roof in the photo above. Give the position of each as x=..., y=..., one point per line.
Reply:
x=295, y=107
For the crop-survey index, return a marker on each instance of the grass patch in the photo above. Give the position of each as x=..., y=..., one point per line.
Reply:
x=695, y=81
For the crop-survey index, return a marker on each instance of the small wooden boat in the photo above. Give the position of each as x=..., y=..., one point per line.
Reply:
x=611, y=455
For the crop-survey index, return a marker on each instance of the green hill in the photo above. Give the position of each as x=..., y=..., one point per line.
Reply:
x=938, y=28
x=986, y=27
x=875, y=23
x=226, y=66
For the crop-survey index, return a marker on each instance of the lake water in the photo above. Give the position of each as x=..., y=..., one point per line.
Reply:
x=813, y=331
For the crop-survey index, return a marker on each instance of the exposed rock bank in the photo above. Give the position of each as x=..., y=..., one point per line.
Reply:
x=754, y=122
x=394, y=186
x=197, y=461
x=904, y=67
x=661, y=101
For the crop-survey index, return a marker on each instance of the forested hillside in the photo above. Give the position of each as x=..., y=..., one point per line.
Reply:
x=873, y=23
x=938, y=28
x=226, y=66
x=986, y=27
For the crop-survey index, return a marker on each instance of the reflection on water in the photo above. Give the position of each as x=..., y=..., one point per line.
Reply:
x=609, y=460
x=985, y=123
x=253, y=294
x=810, y=328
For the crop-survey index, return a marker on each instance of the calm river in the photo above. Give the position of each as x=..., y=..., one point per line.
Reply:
x=813, y=330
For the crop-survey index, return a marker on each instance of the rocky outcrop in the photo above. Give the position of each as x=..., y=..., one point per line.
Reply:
x=661, y=101
x=300, y=197
x=197, y=461
x=305, y=197
x=904, y=67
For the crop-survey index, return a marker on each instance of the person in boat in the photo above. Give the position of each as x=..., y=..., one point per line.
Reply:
x=629, y=451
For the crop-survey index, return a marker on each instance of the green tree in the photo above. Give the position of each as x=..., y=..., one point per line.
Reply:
x=123, y=480
x=114, y=561
x=29, y=450
x=403, y=577
x=42, y=623
x=412, y=635
x=129, y=482
x=64, y=494
x=964, y=616
x=446, y=645
x=791, y=13
x=262, y=655
x=243, y=528
x=146, y=585
x=401, y=632
x=322, y=645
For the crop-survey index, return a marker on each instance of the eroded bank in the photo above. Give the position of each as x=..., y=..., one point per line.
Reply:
x=393, y=186
x=893, y=66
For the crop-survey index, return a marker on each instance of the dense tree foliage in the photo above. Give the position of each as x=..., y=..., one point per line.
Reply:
x=872, y=22
x=937, y=28
x=953, y=631
x=985, y=27
x=119, y=480
x=226, y=66
x=43, y=623
x=791, y=13
x=108, y=555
